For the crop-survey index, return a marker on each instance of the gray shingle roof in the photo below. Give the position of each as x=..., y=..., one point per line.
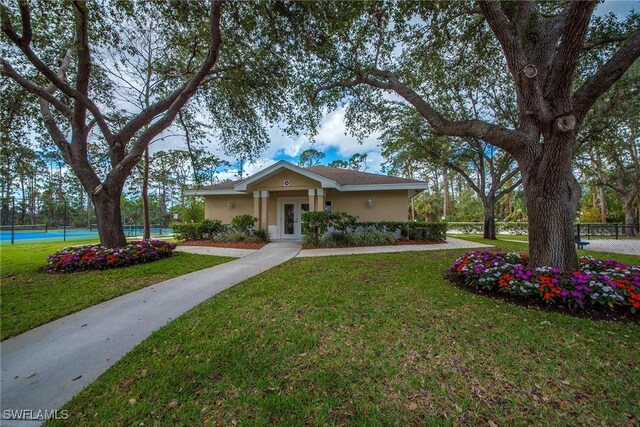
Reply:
x=340, y=176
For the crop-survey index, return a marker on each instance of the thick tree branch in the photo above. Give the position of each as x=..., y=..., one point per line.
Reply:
x=505, y=33
x=591, y=44
x=466, y=177
x=83, y=72
x=24, y=45
x=606, y=76
x=120, y=172
x=33, y=88
x=572, y=35
x=508, y=190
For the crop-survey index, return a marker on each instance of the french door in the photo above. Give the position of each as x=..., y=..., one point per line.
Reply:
x=290, y=217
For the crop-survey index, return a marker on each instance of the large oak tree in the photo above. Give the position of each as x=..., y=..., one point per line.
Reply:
x=403, y=48
x=65, y=54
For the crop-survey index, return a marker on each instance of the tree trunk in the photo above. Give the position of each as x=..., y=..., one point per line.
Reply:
x=603, y=205
x=145, y=197
x=629, y=216
x=489, y=218
x=88, y=211
x=445, y=186
x=551, y=207
x=109, y=219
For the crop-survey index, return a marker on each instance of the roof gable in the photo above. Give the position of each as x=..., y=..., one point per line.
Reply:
x=283, y=165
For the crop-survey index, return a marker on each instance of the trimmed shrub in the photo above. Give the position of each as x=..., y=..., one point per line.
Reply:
x=97, y=257
x=596, y=283
x=208, y=228
x=243, y=223
x=186, y=231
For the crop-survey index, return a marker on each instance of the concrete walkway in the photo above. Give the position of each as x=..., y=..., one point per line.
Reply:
x=45, y=367
x=212, y=250
x=452, y=243
x=622, y=246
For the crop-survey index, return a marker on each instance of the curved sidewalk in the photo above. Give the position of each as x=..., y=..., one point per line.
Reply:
x=45, y=367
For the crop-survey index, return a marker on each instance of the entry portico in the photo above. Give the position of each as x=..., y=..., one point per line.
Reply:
x=279, y=194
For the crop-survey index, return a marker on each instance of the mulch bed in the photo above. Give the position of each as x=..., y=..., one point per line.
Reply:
x=232, y=245
x=616, y=314
x=396, y=243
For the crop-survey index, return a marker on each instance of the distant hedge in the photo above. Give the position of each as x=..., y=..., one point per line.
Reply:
x=409, y=229
x=515, y=228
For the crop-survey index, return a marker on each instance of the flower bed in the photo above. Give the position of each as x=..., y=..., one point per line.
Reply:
x=97, y=257
x=597, y=283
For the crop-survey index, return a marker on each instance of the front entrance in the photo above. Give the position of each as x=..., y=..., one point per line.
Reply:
x=290, y=212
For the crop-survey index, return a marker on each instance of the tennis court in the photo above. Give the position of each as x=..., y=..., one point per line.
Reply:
x=58, y=235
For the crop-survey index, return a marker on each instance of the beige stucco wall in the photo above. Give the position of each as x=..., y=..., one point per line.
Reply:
x=387, y=205
x=215, y=207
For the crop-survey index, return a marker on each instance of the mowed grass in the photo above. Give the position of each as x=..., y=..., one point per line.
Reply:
x=31, y=298
x=369, y=340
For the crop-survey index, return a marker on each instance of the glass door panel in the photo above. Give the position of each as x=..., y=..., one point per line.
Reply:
x=289, y=218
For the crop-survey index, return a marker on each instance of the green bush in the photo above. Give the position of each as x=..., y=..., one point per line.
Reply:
x=186, y=231
x=408, y=229
x=342, y=221
x=236, y=236
x=230, y=236
x=373, y=238
x=262, y=235
x=515, y=228
x=243, y=223
x=315, y=225
x=337, y=239
x=208, y=228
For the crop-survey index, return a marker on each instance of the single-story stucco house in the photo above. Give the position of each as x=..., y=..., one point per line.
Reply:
x=279, y=194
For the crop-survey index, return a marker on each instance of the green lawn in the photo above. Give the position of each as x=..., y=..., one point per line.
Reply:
x=31, y=298
x=369, y=340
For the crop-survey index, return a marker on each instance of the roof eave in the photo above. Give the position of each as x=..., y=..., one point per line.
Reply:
x=395, y=186
x=213, y=192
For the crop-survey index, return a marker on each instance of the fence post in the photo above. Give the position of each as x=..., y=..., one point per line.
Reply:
x=616, y=231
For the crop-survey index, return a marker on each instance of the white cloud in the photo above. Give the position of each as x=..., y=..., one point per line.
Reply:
x=333, y=133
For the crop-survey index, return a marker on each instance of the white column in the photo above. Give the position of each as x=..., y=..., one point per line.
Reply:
x=264, y=223
x=320, y=193
x=256, y=207
x=312, y=199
